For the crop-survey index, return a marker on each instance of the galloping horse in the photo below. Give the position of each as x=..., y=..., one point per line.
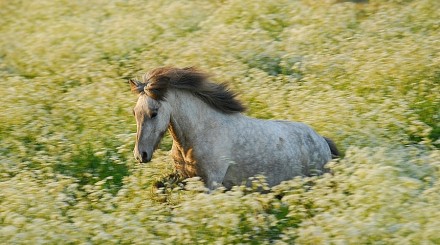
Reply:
x=212, y=139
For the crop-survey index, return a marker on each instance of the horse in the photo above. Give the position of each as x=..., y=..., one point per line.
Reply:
x=212, y=137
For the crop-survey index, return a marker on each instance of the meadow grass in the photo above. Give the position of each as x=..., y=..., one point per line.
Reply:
x=366, y=75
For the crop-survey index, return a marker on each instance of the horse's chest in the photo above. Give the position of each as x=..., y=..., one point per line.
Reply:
x=185, y=163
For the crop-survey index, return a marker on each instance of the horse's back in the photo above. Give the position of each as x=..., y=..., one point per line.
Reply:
x=280, y=150
x=304, y=148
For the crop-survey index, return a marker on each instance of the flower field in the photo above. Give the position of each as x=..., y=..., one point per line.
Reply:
x=363, y=73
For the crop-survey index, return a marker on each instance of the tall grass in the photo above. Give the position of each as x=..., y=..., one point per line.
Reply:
x=366, y=75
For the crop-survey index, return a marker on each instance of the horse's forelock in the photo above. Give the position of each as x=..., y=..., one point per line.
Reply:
x=157, y=82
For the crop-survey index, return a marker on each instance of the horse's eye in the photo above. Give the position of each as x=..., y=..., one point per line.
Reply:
x=153, y=115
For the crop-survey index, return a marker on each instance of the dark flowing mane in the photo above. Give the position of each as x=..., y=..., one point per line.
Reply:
x=157, y=82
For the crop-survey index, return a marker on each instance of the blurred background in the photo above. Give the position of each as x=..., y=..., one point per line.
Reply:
x=364, y=73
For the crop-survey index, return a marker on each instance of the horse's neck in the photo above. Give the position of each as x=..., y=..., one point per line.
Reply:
x=190, y=117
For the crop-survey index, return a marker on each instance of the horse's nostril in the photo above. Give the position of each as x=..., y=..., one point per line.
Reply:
x=144, y=156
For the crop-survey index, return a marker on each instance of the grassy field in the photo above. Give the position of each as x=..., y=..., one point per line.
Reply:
x=366, y=75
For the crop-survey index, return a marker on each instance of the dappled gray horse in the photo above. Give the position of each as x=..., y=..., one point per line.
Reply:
x=213, y=139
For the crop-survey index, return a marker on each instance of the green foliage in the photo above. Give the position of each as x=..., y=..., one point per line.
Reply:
x=364, y=74
x=90, y=167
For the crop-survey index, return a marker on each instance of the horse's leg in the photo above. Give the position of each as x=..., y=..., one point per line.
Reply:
x=233, y=176
x=179, y=163
x=214, y=181
x=215, y=175
x=211, y=172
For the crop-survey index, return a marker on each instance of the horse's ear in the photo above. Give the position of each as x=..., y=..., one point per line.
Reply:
x=136, y=86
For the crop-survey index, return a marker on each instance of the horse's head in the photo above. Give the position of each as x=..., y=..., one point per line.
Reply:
x=152, y=110
x=152, y=115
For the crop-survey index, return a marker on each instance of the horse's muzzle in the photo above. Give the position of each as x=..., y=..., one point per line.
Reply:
x=142, y=157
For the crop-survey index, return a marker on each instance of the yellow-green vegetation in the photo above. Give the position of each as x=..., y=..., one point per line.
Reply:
x=365, y=74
